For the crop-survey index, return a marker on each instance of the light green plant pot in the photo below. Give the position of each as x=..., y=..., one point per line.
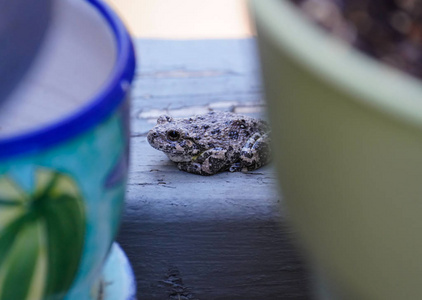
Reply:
x=347, y=134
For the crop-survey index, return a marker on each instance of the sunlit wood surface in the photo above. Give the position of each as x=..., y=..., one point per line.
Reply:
x=185, y=19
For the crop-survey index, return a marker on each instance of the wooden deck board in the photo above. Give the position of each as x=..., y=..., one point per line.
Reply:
x=195, y=237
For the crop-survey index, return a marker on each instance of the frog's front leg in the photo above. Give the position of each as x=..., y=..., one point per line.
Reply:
x=209, y=162
x=254, y=154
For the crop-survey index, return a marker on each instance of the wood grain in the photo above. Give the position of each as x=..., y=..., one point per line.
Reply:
x=194, y=237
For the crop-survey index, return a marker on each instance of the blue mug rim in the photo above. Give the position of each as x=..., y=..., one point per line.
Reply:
x=111, y=95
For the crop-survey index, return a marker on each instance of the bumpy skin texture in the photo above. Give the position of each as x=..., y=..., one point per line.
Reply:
x=214, y=142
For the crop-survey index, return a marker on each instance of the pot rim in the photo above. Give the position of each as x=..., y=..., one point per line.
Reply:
x=99, y=107
x=370, y=82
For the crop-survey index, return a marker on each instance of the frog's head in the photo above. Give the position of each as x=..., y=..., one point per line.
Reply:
x=172, y=137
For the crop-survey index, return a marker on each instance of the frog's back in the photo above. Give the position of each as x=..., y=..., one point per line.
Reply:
x=225, y=129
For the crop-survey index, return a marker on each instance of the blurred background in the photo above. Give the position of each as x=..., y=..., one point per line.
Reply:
x=185, y=19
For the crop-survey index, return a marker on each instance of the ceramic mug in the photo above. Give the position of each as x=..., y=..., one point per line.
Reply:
x=347, y=134
x=64, y=148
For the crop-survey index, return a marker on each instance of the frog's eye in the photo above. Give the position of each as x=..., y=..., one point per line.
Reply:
x=173, y=135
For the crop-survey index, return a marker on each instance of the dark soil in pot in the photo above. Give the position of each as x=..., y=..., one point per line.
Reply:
x=389, y=30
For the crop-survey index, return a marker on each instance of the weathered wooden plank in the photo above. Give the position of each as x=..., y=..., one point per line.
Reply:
x=197, y=237
x=195, y=69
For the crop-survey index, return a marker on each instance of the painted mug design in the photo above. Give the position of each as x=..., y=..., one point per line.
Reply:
x=42, y=235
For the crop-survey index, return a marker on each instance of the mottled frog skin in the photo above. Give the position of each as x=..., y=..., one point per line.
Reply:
x=212, y=143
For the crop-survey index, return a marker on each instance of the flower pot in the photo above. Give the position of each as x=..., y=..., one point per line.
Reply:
x=22, y=29
x=64, y=145
x=347, y=133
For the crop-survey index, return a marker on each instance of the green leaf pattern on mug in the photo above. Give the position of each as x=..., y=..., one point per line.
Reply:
x=41, y=237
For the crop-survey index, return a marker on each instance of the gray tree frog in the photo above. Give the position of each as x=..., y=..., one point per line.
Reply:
x=213, y=142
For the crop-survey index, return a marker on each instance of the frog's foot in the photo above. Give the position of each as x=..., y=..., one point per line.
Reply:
x=238, y=167
x=255, y=153
x=209, y=162
x=190, y=167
